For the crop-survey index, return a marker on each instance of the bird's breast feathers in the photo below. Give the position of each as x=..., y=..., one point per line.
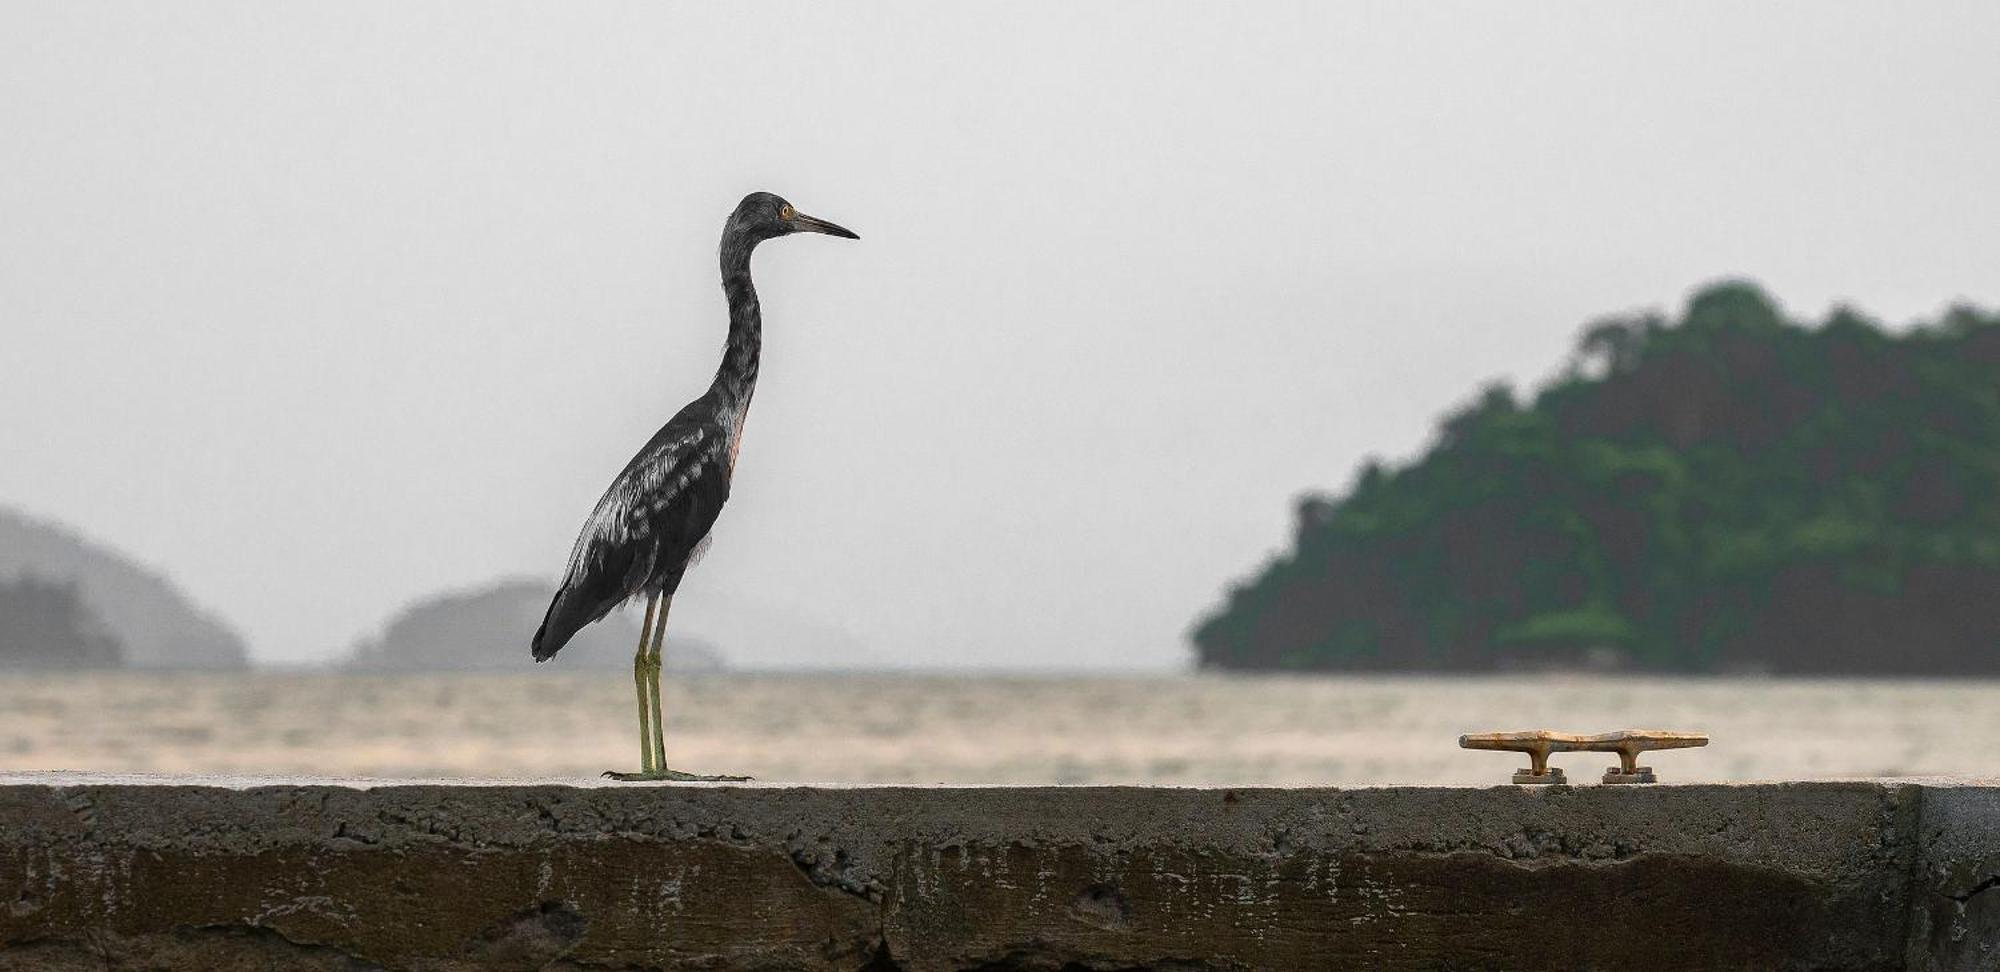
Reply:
x=736, y=438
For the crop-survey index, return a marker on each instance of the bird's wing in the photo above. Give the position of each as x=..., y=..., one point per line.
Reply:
x=658, y=507
x=627, y=516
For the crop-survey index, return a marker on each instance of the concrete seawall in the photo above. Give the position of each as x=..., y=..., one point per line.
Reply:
x=329, y=874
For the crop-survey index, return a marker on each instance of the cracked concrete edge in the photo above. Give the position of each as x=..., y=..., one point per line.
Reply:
x=1955, y=888
x=1817, y=828
x=1942, y=835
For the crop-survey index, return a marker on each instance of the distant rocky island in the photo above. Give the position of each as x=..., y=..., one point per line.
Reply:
x=487, y=628
x=1726, y=492
x=45, y=624
x=67, y=602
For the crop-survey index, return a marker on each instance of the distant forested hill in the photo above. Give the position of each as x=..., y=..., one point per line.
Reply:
x=487, y=629
x=1730, y=491
x=45, y=624
x=144, y=611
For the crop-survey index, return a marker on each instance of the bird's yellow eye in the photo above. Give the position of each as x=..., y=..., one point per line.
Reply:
x=786, y=211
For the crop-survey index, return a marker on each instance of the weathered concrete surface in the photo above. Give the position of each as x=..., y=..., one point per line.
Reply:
x=1955, y=913
x=258, y=874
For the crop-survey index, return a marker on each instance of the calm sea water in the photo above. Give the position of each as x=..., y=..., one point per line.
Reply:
x=983, y=729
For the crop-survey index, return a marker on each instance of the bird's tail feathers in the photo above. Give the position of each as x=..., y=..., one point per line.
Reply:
x=568, y=613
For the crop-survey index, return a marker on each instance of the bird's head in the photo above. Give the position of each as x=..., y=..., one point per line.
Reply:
x=763, y=216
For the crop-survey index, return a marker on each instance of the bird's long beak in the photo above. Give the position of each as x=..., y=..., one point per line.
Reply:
x=810, y=224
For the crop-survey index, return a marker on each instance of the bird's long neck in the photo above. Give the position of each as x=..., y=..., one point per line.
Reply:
x=737, y=377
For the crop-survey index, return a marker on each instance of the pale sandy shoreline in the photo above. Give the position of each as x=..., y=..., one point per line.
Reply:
x=986, y=728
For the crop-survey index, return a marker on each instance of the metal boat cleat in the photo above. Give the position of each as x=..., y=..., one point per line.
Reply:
x=1629, y=743
x=1539, y=743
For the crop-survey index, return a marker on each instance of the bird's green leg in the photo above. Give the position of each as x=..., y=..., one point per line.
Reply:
x=652, y=725
x=659, y=721
x=653, y=666
x=648, y=767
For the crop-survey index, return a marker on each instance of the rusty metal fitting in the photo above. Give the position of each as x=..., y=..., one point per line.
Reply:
x=1539, y=743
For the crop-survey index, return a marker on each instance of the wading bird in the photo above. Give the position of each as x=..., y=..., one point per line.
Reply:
x=655, y=518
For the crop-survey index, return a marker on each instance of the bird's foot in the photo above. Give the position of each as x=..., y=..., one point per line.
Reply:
x=671, y=776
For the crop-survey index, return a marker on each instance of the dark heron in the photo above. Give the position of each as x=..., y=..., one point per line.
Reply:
x=655, y=518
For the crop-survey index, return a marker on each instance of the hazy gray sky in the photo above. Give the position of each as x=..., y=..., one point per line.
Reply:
x=322, y=307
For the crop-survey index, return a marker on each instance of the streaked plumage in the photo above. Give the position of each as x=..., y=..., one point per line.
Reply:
x=646, y=528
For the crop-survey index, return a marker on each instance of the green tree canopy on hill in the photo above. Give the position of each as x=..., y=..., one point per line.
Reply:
x=1729, y=491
